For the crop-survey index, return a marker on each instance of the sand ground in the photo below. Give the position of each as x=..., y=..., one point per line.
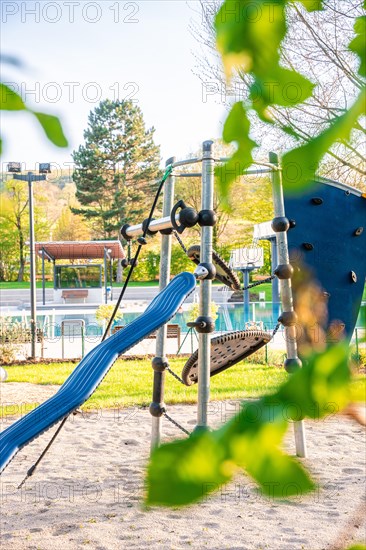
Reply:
x=87, y=493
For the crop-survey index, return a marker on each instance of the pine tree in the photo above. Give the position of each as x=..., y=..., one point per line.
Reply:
x=114, y=169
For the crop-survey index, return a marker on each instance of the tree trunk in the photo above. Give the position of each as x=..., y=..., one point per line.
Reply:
x=21, y=271
x=119, y=273
x=21, y=255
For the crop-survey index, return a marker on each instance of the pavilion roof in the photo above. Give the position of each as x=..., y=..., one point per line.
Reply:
x=80, y=250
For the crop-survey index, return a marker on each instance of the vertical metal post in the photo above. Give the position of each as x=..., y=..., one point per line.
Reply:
x=204, y=348
x=105, y=277
x=274, y=264
x=159, y=363
x=82, y=333
x=43, y=280
x=33, y=291
x=111, y=275
x=280, y=225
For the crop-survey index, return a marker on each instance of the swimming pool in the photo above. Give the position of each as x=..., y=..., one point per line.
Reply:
x=231, y=316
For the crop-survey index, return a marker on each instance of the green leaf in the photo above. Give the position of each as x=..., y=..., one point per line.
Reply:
x=53, y=129
x=282, y=87
x=299, y=166
x=249, y=34
x=357, y=45
x=321, y=387
x=252, y=441
x=357, y=547
x=236, y=129
x=312, y=5
x=185, y=471
x=10, y=100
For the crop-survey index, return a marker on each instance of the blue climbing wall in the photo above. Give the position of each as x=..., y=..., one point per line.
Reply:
x=329, y=237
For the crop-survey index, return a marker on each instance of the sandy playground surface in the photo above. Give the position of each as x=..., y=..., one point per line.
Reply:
x=87, y=493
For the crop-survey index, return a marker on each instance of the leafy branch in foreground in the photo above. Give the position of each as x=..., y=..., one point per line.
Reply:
x=11, y=101
x=252, y=46
x=185, y=471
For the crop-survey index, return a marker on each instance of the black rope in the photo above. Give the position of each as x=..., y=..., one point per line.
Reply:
x=267, y=280
x=133, y=264
x=275, y=330
x=175, y=375
x=175, y=233
x=134, y=261
x=176, y=423
x=32, y=469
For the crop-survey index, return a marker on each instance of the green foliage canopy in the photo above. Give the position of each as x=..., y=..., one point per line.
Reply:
x=113, y=168
x=252, y=45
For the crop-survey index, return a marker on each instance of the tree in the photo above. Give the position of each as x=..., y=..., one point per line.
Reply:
x=323, y=58
x=114, y=167
x=71, y=227
x=14, y=221
x=14, y=214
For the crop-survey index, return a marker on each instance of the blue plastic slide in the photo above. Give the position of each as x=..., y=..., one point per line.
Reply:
x=87, y=376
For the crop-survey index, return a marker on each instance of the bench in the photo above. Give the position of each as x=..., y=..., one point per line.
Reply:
x=173, y=331
x=74, y=294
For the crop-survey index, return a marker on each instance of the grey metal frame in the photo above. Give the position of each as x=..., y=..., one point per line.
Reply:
x=161, y=338
x=286, y=291
x=204, y=348
x=204, y=353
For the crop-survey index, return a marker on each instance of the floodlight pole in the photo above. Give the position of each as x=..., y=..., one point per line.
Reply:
x=33, y=289
x=30, y=178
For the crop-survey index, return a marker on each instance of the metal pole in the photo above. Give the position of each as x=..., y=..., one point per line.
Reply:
x=204, y=348
x=274, y=264
x=62, y=340
x=280, y=225
x=43, y=280
x=82, y=331
x=105, y=276
x=111, y=275
x=159, y=364
x=33, y=290
x=246, y=296
x=155, y=225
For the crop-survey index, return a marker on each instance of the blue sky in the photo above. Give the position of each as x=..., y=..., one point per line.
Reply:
x=78, y=52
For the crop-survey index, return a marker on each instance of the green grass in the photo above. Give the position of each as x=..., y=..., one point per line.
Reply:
x=49, y=284
x=129, y=383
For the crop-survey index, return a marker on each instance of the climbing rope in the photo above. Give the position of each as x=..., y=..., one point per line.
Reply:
x=142, y=241
x=32, y=469
x=275, y=330
x=176, y=423
x=176, y=235
x=267, y=280
x=175, y=375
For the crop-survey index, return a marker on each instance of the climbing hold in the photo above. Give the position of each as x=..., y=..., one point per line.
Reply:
x=284, y=271
x=358, y=231
x=353, y=277
x=308, y=246
x=280, y=224
x=317, y=201
x=293, y=364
